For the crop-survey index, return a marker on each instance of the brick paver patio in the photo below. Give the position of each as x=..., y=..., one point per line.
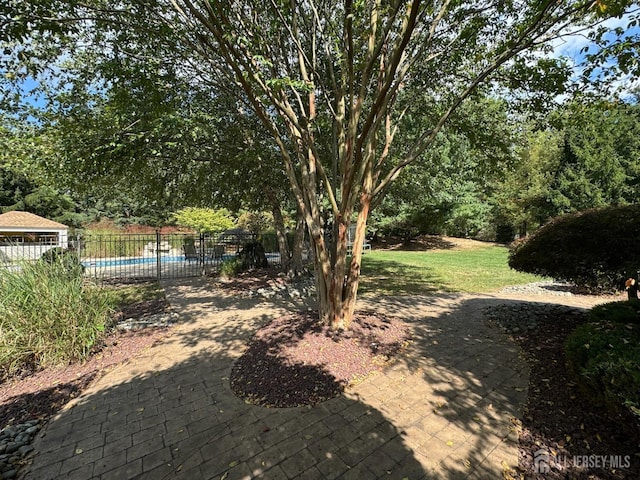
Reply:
x=446, y=410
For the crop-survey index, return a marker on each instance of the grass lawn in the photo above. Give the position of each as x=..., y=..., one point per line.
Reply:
x=479, y=268
x=131, y=294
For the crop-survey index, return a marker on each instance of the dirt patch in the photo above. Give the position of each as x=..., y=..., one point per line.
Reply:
x=426, y=242
x=250, y=281
x=562, y=424
x=296, y=360
x=144, y=308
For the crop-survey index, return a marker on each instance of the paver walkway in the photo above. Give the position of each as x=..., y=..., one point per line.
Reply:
x=444, y=411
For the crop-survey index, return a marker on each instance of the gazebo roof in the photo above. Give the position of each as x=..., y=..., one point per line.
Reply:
x=26, y=220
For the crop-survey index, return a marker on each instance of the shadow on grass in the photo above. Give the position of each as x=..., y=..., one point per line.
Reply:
x=422, y=243
x=388, y=277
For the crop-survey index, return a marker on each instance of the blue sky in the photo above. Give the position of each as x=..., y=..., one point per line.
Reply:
x=570, y=47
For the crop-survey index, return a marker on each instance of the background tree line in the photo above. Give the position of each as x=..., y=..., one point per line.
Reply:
x=493, y=177
x=313, y=106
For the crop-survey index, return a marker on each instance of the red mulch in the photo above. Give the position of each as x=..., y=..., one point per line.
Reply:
x=296, y=360
x=560, y=418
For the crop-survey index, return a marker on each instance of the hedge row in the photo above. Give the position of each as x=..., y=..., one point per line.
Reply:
x=596, y=248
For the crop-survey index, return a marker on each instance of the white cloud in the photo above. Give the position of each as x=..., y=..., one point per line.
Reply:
x=575, y=40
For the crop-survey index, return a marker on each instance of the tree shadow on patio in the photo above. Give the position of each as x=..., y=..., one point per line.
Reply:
x=183, y=421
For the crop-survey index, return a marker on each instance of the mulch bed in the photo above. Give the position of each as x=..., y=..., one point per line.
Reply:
x=562, y=420
x=296, y=360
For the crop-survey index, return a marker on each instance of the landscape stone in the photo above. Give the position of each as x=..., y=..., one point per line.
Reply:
x=12, y=447
x=25, y=449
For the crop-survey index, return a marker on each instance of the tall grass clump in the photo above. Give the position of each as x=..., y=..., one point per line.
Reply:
x=48, y=315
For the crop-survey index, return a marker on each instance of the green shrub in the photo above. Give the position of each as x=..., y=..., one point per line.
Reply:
x=65, y=259
x=253, y=255
x=231, y=268
x=204, y=220
x=605, y=356
x=595, y=249
x=48, y=317
x=618, y=312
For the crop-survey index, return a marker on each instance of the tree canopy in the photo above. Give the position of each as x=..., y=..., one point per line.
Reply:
x=336, y=86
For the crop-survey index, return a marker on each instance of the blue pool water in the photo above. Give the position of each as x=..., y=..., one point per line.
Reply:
x=152, y=260
x=132, y=261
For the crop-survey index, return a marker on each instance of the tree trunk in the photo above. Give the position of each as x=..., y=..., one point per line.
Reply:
x=631, y=285
x=281, y=232
x=298, y=244
x=523, y=229
x=353, y=279
x=337, y=287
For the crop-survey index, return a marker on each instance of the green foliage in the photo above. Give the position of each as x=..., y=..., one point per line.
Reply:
x=407, y=221
x=13, y=187
x=269, y=240
x=470, y=219
x=65, y=260
x=131, y=294
x=255, y=222
x=105, y=244
x=204, y=220
x=596, y=248
x=18, y=192
x=521, y=196
x=613, y=53
x=231, y=268
x=253, y=255
x=585, y=157
x=48, y=317
x=605, y=355
x=617, y=312
x=599, y=165
x=449, y=188
x=339, y=110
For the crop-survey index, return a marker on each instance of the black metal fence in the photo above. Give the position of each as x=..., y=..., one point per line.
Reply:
x=138, y=256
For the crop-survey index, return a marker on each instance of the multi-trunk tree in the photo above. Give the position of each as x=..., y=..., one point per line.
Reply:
x=333, y=83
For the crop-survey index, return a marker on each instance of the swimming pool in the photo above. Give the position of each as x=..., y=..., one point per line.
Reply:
x=125, y=261
x=116, y=262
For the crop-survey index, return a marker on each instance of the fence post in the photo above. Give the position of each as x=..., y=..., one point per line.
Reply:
x=201, y=256
x=158, y=257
